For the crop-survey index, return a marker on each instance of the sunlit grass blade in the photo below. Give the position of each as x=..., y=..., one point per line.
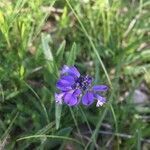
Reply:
x=49, y=136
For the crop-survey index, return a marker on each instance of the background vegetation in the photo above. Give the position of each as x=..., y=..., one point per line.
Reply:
x=107, y=39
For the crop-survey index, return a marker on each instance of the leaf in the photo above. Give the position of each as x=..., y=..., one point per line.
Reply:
x=58, y=109
x=46, y=129
x=1, y=18
x=10, y=127
x=49, y=136
x=64, y=18
x=64, y=131
x=60, y=52
x=136, y=70
x=46, y=49
x=22, y=71
x=12, y=95
x=72, y=55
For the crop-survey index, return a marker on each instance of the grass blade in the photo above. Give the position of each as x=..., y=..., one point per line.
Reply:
x=10, y=126
x=49, y=136
x=46, y=49
x=72, y=55
x=58, y=110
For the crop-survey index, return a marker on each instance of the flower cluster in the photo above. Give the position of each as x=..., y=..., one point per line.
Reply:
x=74, y=88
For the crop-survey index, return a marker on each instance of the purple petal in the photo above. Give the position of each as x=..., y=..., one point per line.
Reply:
x=70, y=99
x=100, y=100
x=88, y=98
x=70, y=70
x=63, y=86
x=59, y=97
x=68, y=79
x=73, y=71
x=65, y=83
x=77, y=92
x=64, y=69
x=100, y=88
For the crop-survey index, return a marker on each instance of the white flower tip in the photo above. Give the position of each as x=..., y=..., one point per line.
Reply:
x=59, y=102
x=99, y=103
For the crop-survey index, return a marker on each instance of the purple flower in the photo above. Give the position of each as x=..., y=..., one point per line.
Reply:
x=74, y=88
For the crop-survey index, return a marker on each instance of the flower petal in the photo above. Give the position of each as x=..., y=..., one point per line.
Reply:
x=59, y=97
x=88, y=98
x=64, y=69
x=63, y=85
x=70, y=99
x=70, y=70
x=100, y=100
x=73, y=71
x=100, y=88
x=68, y=79
x=77, y=92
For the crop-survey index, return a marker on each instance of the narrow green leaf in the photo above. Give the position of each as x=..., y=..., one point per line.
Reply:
x=60, y=52
x=58, y=114
x=46, y=129
x=50, y=136
x=12, y=95
x=65, y=132
x=41, y=102
x=7, y=131
x=22, y=71
x=46, y=49
x=72, y=55
x=61, y=48
x=138, y=139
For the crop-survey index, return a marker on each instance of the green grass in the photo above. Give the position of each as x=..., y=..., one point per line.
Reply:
x=107, y=39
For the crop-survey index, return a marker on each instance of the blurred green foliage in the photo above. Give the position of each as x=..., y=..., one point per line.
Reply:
x=107, y=39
